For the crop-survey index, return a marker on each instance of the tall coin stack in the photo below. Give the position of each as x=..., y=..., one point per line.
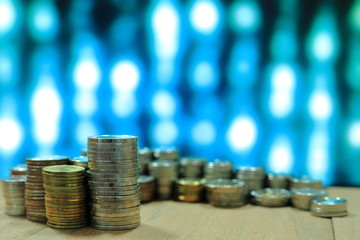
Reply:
x=191, y=167
x=166, y=154
x=278, y=180
x=14, y=194
x=189, y=190
x=218, y=169
x=65, y=196
x=301, y=197
x=147, y=188
x=34, y=189
x=305, y=182
x=226, y=192
x=253, y=176
x=145, y=157
x=113, y=182
x=165, y=174
x=19, y=172
x=81, y=161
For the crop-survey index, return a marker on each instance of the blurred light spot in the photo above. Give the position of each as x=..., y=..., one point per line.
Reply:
x=323, y=47
x=125, y=76
x=165, y=132
x=204, y=16
x=85, y=103
x=318, y=156
x=6, y=68
x=281, y=156
x=203, y=133
x=284, y=37
x=203, y=74
x=86, y=73
x=124, y=104
x=355, y=16
x=11, y=135
x=320, y=105
x=354, y=134
x=84, y=129
x=242, y=134
x=245, y=16
x=163, y=104
x=8, y=16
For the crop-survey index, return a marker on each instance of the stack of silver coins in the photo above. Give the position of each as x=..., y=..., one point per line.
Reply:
x=34, y=188
x=145, y=157
x=305, y=182
x=19, y=172
x=302, y=197
x=147, y=188
x=278, y=180
x=81, y=161
x=113, y=182
x=271, y=197
x=165, y=174
x=253, y=176
x=218, y=169
x=329, y=207
x=14, y=194
x=226, y=192
x=166, y=154
x=191, y=167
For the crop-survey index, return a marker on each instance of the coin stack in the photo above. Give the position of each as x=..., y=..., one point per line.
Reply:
x=19, y=172
x=65, y=196
x=113, y=182
x=226, y=192
x=145, y=157
x=165, y=174
x=302, y=197
x=166, y=154
x=14, y=194
x=189, y=190
x=191, y=167
x=253, y=176
x=147, y=188
x=329, y=207
x=81, y=161
x=305, y=182
x=271, y=197
x=278, y=180
x=34, y=189
x=218, y=169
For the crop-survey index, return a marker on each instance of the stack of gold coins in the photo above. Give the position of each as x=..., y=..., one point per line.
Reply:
x=278, y=180
x=145, y=157
x=306, y=182
x=65, y=196
x=329, y=207
x=191, y=167
x=271, y=197
x=34, y=189
x=14, y=194
x=147, y=188
x=81, y=161
x=189, y=190
x=218, y=169
x=253, y=176
x=226, y=192
x=165, y=174
x=19, y=171
x=302, y=197
x=166, y=154
x=113, y=182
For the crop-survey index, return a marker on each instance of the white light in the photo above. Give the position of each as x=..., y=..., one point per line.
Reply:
x=7, y=16
x=85, y=103
x=320, y=105
x=204, y=16
x=6, y=68
x=165, y=132
x=11, y=135
x=124, y=104
x=281, y=156
x=281, y=104
x=125, y=76
x=85, y=129
x=43, y=20
x=242, y=134
x=203, y=133
x=245, y=15
x=203, y=74
x=318, y=158
x=354, y=134
x=283, y=77
x=163, y=104
x=86, y=72
x=323, y=46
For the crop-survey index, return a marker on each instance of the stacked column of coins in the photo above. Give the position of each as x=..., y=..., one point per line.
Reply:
x=271, y=197
x=226, y=192
x=302, y=197
x=189, y=190
x=14, y=194
x=81, y=161
x=253, y=177
x=278, y=180
x=65, y=196
x=166, y=154
x=147, y=188
x=165, y=173
x=191, y=167
x=329, y=207
x=34, y=189
x=19, y=172
x=305, y=182
x=145, y=157
x=113, y=182
x=218, y=169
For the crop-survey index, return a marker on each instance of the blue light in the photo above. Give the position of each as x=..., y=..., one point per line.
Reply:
x=125, y=76
x=284, y=36
x=245, y=16
x=84, y=129
x=164, y=104
x=204, y=16
x=281, y=156
x=165, y=133
x=353, y=134
x=320, y=105
x=203, y=133
x=8, y=19
x=8, y=65
x=124, y=104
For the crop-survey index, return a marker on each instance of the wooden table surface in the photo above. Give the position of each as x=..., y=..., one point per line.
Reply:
x=175, y=220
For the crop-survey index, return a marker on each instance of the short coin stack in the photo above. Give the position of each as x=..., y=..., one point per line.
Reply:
x=305, y=182
x=145, y=157
x=226, y=192
x=191, y=167
x=271, y=197
x=329, y=207
x=189, y=190
x=218, y=169
x=278, y=180
x=34, y=189
x=14, y=194
x=166, y=154
x=65, y=196
x=81, y=161
x=165, y=174
x=19, y=172
x=113, y=182
x=302, y=197
x=253, y=176
x=147, y=188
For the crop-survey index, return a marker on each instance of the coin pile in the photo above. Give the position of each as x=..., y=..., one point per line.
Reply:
x=191, y=167
x=253, y=176
x=113, y=182
x=271, y=197
x=278, y=180
x=14, y=194
x=302, y=197
x=65, y=196
x=165, y=174
x=145, y=157
x=218, y=169
x=305, y=182
x=147, y=188
x=226, y=192
x=19, y=172
x=189, y=190
x=166, y=154
x=329, y=207
x=34, y=189
x=81, y=161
